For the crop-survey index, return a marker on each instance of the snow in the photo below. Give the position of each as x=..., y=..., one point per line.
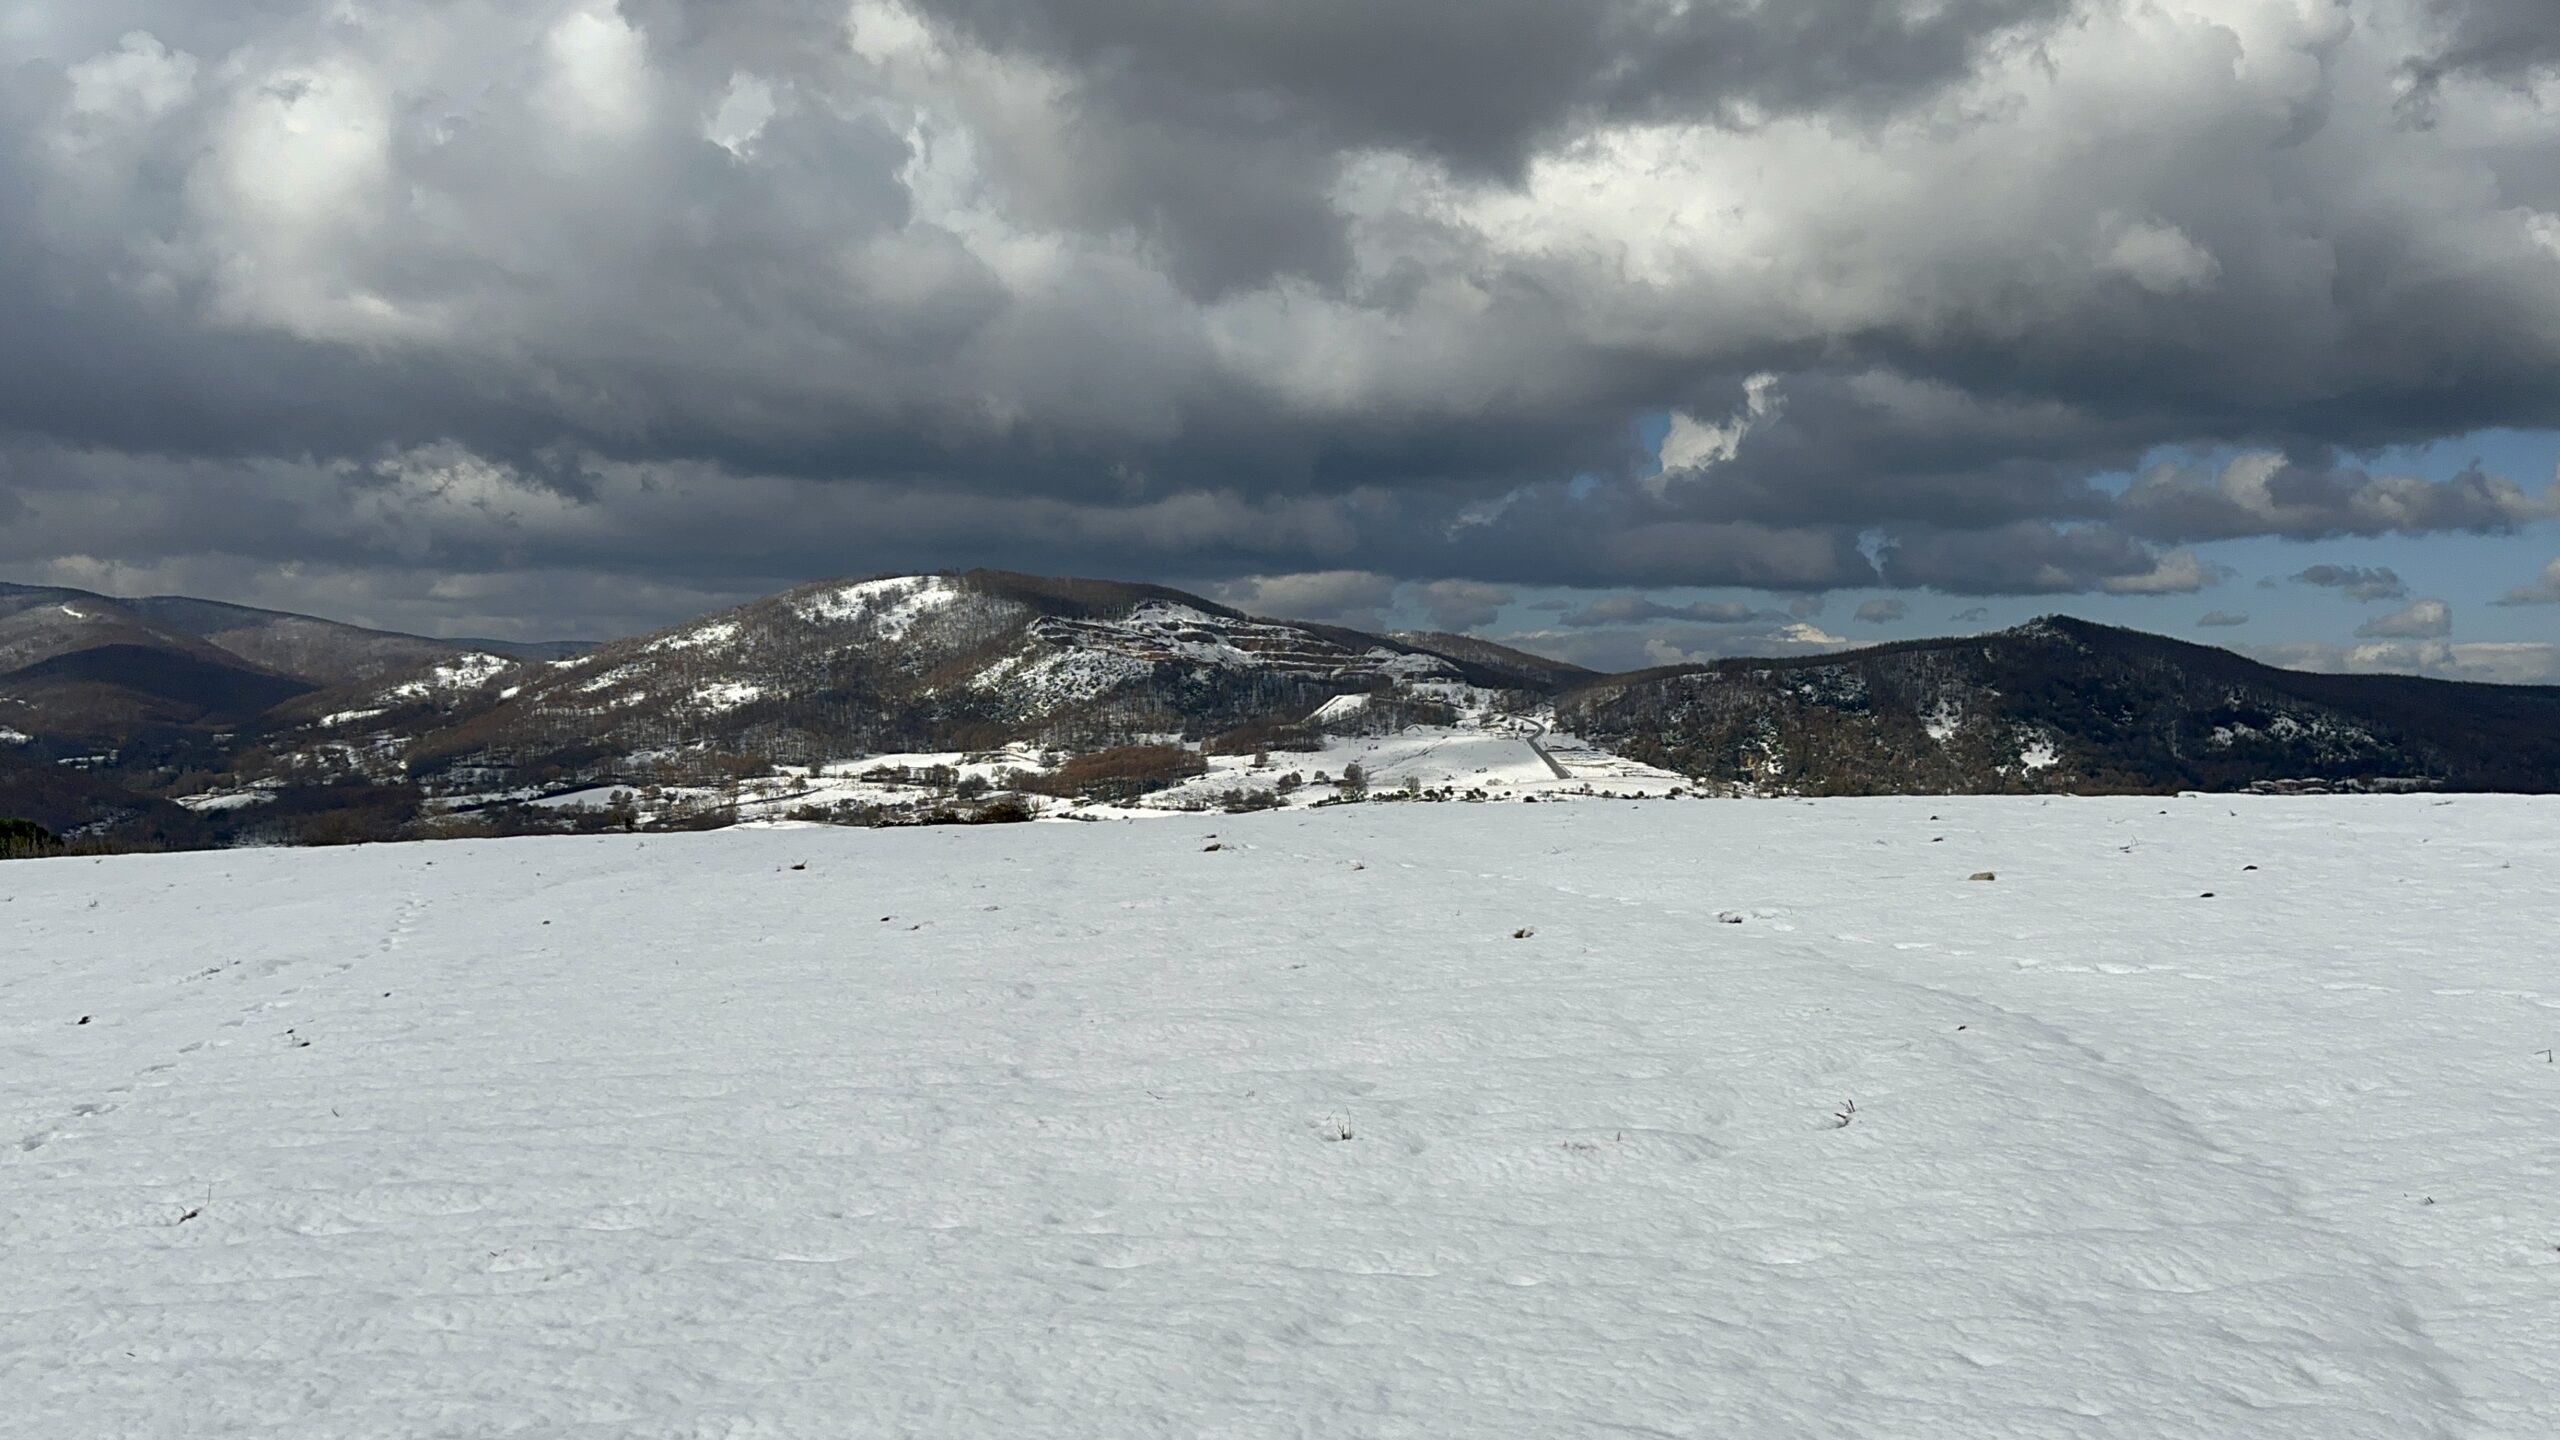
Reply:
x=766, y=800
x=1943, y=721
x=348, y=717
x=467, y=671
x=1407, y=666
x=700, y=637
x=1163, y=631
x=1502, y=763
x=726, y=694
x=892, y=605
x=1060, y=678
x=593, y=797
x=226, y=800
x=15, y=737
x=356, y=1144
x=985, y=764
x=1184, y=633
x=1340, y=707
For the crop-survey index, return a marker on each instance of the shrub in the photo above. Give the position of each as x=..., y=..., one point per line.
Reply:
x=1259, y=738
x=1119, y=774
x=25, y=840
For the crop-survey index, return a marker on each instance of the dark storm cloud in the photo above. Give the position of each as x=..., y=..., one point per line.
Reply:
x=1334, y=597
x=1619, y=648
x=1810, y=457
x=1461, y=605
x=2026, y=558
x=678, y=298
x=2505, y=39
x=2357, y=582
x=1483, y=83
x=2265, y=496
x=1634, y=609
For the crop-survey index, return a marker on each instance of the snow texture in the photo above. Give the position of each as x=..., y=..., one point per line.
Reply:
x=1712, y=1118
x=1060, y=678
x=1340, y=707
x=464, y=672
x=700, y=637
x=891, y=605
x=227, y=800
x=726, y=695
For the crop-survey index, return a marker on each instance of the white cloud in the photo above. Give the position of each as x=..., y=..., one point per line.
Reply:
x=2544, y=590
x=741, y=115
x=600, y=82
x=2423, y=620
x=1356, y=598
x=2491, y=662
x=138, y=81
x=1461, y=605
x=2158, y=257
x=1692, y=444
x=2180, y=572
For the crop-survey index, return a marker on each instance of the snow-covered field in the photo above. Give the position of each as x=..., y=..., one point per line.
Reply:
x=1505, y=760
x=1372, y=1121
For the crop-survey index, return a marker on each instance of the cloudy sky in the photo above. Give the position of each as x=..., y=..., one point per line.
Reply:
x=1648, y=329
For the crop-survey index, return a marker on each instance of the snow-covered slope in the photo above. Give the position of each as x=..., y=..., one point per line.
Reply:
x=1730, y=1119
x=920, y=661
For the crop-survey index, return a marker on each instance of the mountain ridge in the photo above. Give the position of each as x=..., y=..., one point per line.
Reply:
x=955, y=663
x=2119, y=709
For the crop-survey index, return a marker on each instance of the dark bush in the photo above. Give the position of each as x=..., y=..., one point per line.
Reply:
x=25, y=839
x=1122, y=774
x=1260, y=737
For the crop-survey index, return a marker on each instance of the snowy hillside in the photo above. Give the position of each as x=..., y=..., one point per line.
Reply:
x=1486, y=758
x=842, y=668
x=2204, y=1118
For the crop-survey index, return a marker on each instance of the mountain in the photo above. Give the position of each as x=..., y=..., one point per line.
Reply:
x=83, y=666
x=1518, y=667
x=97, y=668
x=326, y=652
x=914, y=662
x=181, y=722
x=2064, y=705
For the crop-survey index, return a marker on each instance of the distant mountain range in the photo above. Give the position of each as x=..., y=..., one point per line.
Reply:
x=179, y=721
x=2065, y=705
x=97, y=667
